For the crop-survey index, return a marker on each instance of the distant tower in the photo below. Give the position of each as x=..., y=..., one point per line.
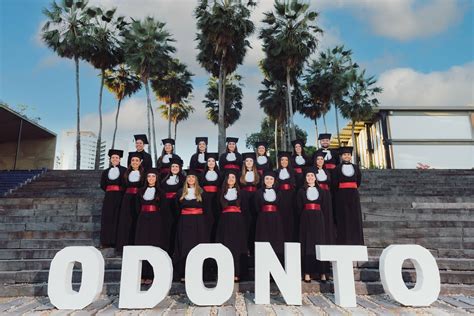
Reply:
x=67, y=153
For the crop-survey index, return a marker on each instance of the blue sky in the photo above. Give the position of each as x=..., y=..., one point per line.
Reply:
x=406, y=44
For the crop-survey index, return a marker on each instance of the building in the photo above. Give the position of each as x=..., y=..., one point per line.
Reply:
x=24, y=144
x=67, y=154
x=414, y=137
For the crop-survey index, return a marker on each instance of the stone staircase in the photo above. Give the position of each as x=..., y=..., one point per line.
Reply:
x=432, y=208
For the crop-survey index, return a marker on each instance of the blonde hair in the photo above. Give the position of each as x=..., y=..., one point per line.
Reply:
x=197, y=189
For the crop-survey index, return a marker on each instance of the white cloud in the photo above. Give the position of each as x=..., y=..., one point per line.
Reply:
x=407, y=87
x=402, y=19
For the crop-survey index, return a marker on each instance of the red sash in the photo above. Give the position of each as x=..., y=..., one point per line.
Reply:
x=210, y=188
x=269, y=208
x=232, y=166
x=132, y=190
x=348, y=185
x=324, y=186
x=260, y=172
x=285, y=187
x=312, y=207
x=330, y=166
x=298, y=170
x=170, y=195
x=164, y=170
x=191, y=211
x=231, y=209
x=113, y=188
x=149, y=208
x=249, y=188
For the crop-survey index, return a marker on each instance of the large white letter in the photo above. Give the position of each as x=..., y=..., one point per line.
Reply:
x=341, y=258
x=196, y=291
x=131, y=295
x=289, y=281
x=428, y=283
x=60, y=291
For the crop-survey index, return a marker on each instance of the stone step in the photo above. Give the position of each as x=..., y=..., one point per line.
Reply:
x=50, y=219
x=16, y=254
x=50, y=235
x=44, y=243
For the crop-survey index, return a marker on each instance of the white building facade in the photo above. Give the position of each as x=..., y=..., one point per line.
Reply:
x=67, y=152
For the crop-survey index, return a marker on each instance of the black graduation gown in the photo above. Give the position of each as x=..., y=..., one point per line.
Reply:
x=347, y=207
x=299, y=170
x=164, y=167
x=286, y=205
x=151, y=228
x=168, y=207
x=231, y=233
x=329, y=226
x=147, y=162
x=110, y=206
x=269, y=225
x=331, y=163
x=128, y=213
x=262, y=167
x=211, y=202
x=311, y=231
x=194, y=163
x=191, y=230
x=248, y=191
x=226, y=164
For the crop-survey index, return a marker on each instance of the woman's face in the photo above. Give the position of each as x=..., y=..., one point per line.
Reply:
x=298, y=149
x=231, y=146
x=261, y=150
x=135, y=162
x=174, y=168
x=346, y=157
x=249, y=163
x=151, y=178
x=168, y=148
x=310, y=178
x=211, y=163
x=284, y=162
x=269, y=181
x=202, y=146
x=319, y=161
x=191, y=180
x=231, y=180
x=115, y=160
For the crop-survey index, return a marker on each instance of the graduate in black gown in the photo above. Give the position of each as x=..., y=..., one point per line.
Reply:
x=140, y=141
x=346, y=181
x=111, y=182
x=323, y=178
x=211, y=181
x=231, y=159
x=134, y=179
x=151, y=230
x=310, y=202
x=192, y=228
x=198, y=160
x=299, y=161
x=286, y=186
x=166, y=155
x=249, y=181
x=231, y=227
x=331, y=156
x=263, y=161
x=169, y=186
x=269, y=225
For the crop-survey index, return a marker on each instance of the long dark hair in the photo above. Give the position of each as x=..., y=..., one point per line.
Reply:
x=236, y=151
x=129, y=169
x=225, y=188
x=290, y=165
x=179, y=174
x=216, y=168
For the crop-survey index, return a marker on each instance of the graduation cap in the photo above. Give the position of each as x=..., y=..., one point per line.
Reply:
x=201, y=139
x=135, y=154
x=345, y=150
x=191, y=172
x=319, y=153
x=264, y=144
x=269, y=173
x=153, y=171
x=212, y=155
x=231, y=171
x=249, y=155
x=115, y=152
x=168, y=141
x=141, y=137
x=310, y=170
x=282, y=154
x=324, y=136
x=298, y=141
x=231, y=140
x=176, y=161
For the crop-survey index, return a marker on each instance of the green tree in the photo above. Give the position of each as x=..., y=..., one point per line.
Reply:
x=147, y=50
x=67, y=32
x=223, y=28
x=179, y=112
x=233, y=100
x=122, y=82
x=173, y=86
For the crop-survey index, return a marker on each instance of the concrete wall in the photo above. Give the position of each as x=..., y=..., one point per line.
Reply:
x=34, y=154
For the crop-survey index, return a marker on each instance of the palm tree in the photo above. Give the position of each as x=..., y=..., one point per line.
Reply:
x=313, y=111
x=179, y=112
x=122, y=82
x=289, y=38
x=223, y=29
x=147, y=49
x=67, y=32
x=359, y=101
x=233, y=100
x=106, y=53
x=173, y=86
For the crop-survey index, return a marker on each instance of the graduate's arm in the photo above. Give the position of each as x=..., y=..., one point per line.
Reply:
x=358, y=175
x=103, y=180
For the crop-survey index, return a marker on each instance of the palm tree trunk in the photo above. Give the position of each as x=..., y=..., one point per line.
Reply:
x=317, y=132
x=287, y=124
x=290, y=105
x=153, y=130
x=221, y=117
x=169, y=121
x=78, y=118
x=354, y=144
x=276, y=143
x=175, y=131
x=116, y=122
x=99, y=134
x=324, y=121
x=148, y=108
x=337, y=126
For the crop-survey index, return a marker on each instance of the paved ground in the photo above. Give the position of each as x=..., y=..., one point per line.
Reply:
x=242, y=304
